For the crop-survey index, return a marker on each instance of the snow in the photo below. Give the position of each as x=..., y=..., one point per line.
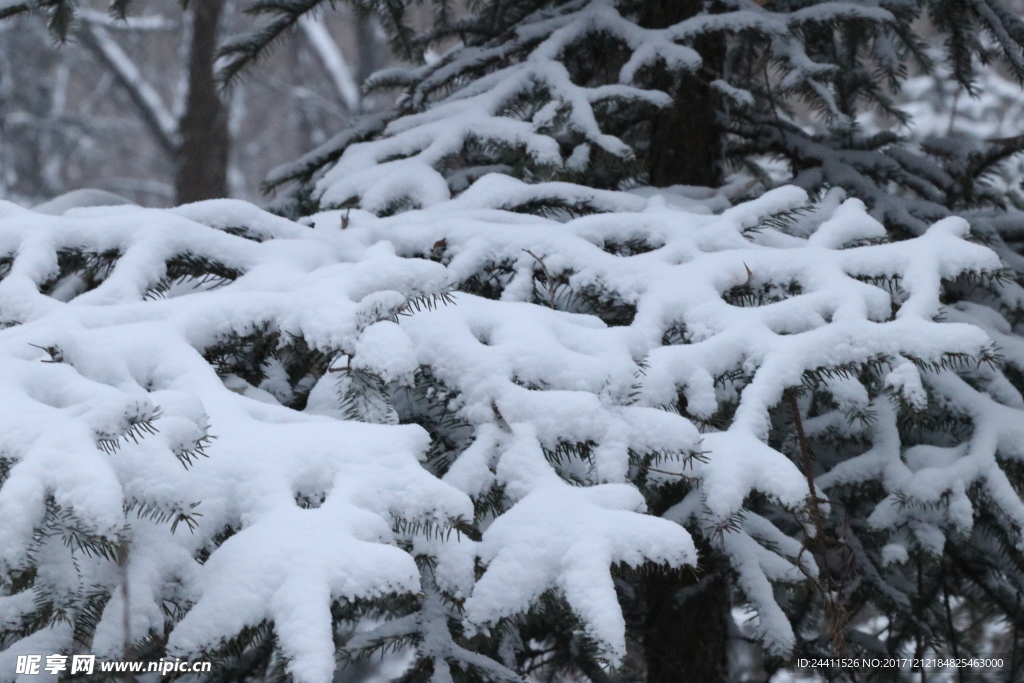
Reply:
x=581, y=358
x=77, y=199
x=528, y=551
x=124, y=356
x=78, y=374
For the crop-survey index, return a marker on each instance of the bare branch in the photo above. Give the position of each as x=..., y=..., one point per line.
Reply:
x=330, y=56
x=153, y=22
x=158, y=118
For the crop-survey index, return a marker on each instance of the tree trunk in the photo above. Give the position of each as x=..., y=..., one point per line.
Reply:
x=202, y=169
x=686, y=144
x=686, y=631
x=366, y=45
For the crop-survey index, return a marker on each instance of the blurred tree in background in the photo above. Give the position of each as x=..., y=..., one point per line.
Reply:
x=132, y=106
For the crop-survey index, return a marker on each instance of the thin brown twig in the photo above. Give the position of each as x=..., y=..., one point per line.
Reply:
x=835, y=613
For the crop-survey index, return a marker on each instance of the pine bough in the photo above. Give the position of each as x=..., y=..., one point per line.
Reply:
x=257, y=432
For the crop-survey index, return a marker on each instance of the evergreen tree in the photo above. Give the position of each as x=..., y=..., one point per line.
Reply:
x=618, y=94
x=598, y=418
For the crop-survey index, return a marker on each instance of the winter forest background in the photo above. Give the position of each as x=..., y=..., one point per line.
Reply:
x=596, y=341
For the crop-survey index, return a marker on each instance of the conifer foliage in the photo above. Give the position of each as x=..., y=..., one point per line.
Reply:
x=577, y=91
x=546, y=375
x=483, y=390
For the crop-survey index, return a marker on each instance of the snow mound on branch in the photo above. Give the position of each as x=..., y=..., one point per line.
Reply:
x=79, y=199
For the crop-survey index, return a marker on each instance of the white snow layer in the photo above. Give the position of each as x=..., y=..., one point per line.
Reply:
x=81, y=371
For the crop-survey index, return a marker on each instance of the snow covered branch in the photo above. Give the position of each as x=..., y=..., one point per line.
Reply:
x=364, y=407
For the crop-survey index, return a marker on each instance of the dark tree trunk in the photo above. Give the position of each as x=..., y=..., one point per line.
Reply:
x=685, y=623
x=686, y=629
x=367, y=47
x=684, y=626
x=202, y=169
x=686, y=146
